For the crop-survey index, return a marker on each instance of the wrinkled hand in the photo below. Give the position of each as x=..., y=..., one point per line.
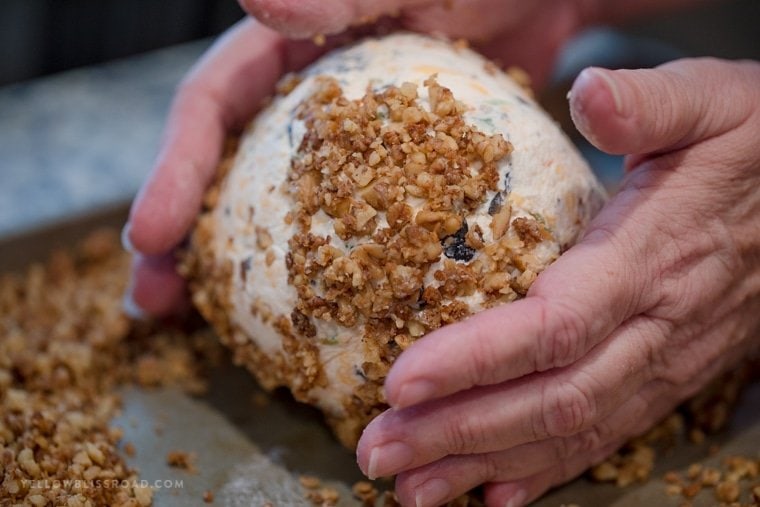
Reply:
x=218, y=96
x=226, y=87
x=661, y=294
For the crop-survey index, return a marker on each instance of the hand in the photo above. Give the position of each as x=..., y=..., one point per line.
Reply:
x=218, y=96
x=514, y=32
x=226, y=87
x=661, y=294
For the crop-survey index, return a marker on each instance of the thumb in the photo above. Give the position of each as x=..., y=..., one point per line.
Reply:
x=662, y=109
x=305, y=18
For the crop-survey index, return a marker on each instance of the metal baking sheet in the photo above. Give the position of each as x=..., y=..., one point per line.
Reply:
x=251, y=447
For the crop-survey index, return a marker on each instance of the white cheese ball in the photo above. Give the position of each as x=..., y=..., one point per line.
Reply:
x=326, y=319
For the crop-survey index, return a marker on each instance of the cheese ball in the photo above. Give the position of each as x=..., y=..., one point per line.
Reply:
x=395, y=186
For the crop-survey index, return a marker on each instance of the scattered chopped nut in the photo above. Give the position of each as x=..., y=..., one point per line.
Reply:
x=181, y=459
x=727, y=491
x=309, y=481
x=65, y=345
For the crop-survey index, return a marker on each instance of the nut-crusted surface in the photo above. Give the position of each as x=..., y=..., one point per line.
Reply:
x=349, y=224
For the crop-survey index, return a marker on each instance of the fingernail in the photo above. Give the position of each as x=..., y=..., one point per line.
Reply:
x=131, y=309
x=126, y=243
x=611, y=86
x=518, y=499
x=431, y=492
x=389, y=459
x=414, y=392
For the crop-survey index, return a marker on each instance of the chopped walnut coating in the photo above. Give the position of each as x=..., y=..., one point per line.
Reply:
x=362, y=162
x=359, y=162
x=399, y=183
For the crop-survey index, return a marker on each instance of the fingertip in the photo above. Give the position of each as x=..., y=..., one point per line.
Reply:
x=506, y=494
x=298, y=18
x=599, y=110
x=363, y=450
x=404, y=394
x=165, y=209
x=408, y=382
x=132, y=309
x=126, y=240
x=157, y=289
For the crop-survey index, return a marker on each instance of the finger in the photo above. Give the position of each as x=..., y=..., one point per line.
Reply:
x=452, y=476
x=666, y=108
x=506, y=31
x=156, y=289
x=653, y=402
x=571, y=307
x=307, y=18
x=222, y=92
x=524, y=491
x=557, y=403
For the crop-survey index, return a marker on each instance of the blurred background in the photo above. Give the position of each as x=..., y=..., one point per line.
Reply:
x=85, y=85
x=39, y=37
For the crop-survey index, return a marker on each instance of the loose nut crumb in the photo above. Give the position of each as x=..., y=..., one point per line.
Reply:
x=181, y=459
x=727, y=491
x=309, y=482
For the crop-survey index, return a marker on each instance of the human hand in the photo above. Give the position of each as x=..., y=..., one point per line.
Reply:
x=225, y=88
x=218, y=96
x=525, y=34
x=660, y=295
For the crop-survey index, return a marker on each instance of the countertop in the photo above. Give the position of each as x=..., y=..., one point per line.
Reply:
x=77, y=141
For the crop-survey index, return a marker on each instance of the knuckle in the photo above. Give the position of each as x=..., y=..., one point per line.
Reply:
x=567, y=410
x=582, y=443
x=562, y=448
x=566, y=331
x=481, y=359
x=463, y=435
x=590, y=440
x=489, y=466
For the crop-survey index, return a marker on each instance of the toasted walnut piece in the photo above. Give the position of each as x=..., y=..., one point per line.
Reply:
x=710, y=476
x=288, y=83
x=500, y=221
x=143, y=495
x=496, y=282
x=694, y=470
x=365, y=492
x=673, y=489
x=399, y=214
x=182, y=460
x=727, y=491
x=672, y=477
x=691, y=490
x=28, y=464
x=604, y=472
x=309, y=481
x=530, y=231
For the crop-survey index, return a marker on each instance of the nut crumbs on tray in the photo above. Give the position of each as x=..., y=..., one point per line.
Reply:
x=65, y=346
